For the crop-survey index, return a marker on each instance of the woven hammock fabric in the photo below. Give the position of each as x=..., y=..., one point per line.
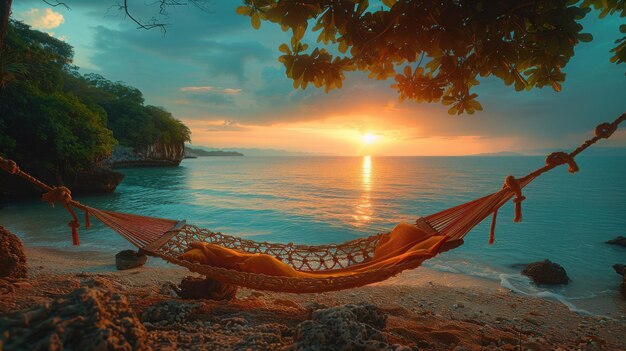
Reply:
x=170, y=240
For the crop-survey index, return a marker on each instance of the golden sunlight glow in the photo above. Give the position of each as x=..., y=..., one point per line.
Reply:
x=369, y=138
x=363, y=211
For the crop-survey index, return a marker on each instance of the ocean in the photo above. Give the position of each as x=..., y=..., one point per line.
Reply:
x=314, y=200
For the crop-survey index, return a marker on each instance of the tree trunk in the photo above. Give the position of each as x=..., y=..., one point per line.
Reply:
x=5, y=13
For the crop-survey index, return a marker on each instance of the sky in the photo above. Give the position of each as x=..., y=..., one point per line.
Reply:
x=222, y=78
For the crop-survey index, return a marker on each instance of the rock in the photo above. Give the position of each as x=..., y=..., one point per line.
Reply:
x=546, y=272
x=260, y=341
x=159, y=154
x=619, y=241
x=347, y=327
x=189, y=153
x=621, y=270
x=169, y=289
x=96, y=179
x=199, y=288
x=86, y=319
x=168, y=312
x=12, y=258
x=128, y=259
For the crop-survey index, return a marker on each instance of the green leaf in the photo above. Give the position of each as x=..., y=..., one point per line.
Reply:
x=284, y=48
x=389, y=3
x=256, y=21
x=585, y=37
x=447, y=100
x=243, y=10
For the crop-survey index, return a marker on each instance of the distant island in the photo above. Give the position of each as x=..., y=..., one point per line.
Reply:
x=598, y=151
x=495, y=154
x=193, y=153
x=254, y=152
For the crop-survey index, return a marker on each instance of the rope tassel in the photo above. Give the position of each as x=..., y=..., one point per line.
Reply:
x=513, y=185
x=492, y=231
x=74, y=225
x=63, y=196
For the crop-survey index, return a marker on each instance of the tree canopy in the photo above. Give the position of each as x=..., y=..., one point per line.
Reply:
x=133, y=123
x=436, y=50
x=41, y=125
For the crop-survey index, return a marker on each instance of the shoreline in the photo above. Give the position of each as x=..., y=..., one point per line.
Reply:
x=604, y=305
x=444, y=310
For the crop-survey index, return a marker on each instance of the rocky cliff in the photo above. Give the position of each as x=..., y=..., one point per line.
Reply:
x=158, y=154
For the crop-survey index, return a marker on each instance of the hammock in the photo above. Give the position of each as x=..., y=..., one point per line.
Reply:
x=320, y=268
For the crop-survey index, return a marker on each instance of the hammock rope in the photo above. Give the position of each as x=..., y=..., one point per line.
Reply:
x=169, y=239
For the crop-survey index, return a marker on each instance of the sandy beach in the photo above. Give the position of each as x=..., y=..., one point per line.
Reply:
x=425, y=309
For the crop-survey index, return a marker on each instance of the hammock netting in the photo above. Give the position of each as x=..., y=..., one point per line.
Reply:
x=169, y=239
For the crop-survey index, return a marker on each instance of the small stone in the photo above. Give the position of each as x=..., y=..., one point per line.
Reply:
x=619, y=269
x=619, y=241
x=546, y=272
x=129, y=259
x=199, y=288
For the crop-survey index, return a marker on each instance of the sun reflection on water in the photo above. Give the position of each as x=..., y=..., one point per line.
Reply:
x=363, y=211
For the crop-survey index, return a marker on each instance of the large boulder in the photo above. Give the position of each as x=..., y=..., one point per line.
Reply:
x=12, y=258
x=347, y=327
x=546, y=272
x=129, y=259
x=619, y=241
x=86, y=319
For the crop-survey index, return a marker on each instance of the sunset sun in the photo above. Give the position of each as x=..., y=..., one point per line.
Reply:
x=369, y=138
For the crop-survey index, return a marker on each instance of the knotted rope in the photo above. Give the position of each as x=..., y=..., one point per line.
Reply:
x=52, y=195
x=63, y=196
x=560, y=158
x=511, y=184
x=555, y=159
x=9, y=166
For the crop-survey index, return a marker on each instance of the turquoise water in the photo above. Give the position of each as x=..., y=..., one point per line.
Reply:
x=314, y=200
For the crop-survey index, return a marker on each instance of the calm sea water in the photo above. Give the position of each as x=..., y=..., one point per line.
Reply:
x=315, y=200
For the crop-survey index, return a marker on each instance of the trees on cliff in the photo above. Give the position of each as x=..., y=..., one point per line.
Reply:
x=55, y=121
x=133, y=123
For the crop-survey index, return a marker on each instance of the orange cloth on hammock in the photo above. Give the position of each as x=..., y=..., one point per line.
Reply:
x=406, y=242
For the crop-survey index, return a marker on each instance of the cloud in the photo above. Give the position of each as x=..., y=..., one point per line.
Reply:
x=227, y=126
x=203, y=89
x=42, y=18
x=213, y=100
